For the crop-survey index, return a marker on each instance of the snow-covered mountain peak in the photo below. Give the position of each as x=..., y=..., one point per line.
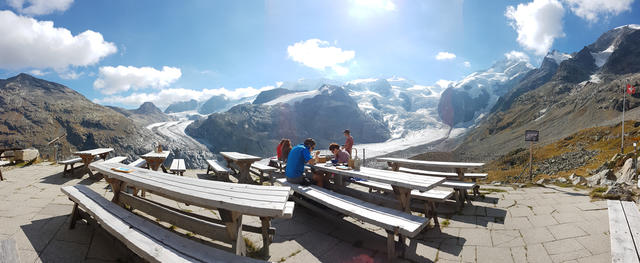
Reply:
x=630, y=26
x=558, y=56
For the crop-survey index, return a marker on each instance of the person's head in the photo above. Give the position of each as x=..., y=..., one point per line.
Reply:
x=347, y=133
x=334, y=148
x=286, y=143
x=309, y=143
x=282, y=141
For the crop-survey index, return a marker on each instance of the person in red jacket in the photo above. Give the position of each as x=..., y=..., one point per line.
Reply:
x=348, y=144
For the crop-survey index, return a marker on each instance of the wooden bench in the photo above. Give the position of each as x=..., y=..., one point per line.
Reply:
x=71, y=163
x=178, y=167
x=395, y=222
x=142, y=163
x=148, y=240
x=220, y=171
x=117, y=159
x=232, y=201
x=473, y=176
x=624, y=229
x=430, y=197
x=264, y=172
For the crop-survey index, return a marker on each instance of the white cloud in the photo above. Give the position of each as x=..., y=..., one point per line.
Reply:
x=112, y=80
x=165, y=97
x=27, y=42
x=538, y=24
x=70, y=74
x=516, y=55
x=38, y=72
x=40, y=7
x=445, y=56
x=590, y=10
x=318, y=54
x=467, y=64
x=443, y=83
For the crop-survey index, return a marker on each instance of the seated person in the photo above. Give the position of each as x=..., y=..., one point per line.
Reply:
x=298, y=156
x=340, y=154
x=285, y=149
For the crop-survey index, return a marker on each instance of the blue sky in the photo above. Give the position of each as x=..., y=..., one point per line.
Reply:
x=165, y=51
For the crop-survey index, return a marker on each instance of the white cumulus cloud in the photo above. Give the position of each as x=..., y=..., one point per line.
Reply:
x=591, y=10
x=320, y=55
x=165, y=97
x=517, y=55
x=445, y=56
x=538, y=24
x=27, y=42
x=112, y=80
x=40, y=7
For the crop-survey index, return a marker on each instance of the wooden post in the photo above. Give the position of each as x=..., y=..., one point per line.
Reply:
x=531, y=161
x=266, y=238
x=233, y=221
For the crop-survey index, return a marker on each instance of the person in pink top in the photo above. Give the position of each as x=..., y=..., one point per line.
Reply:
x=348, y=144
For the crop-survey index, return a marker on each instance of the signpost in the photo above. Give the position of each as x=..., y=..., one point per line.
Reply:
x=531, y=136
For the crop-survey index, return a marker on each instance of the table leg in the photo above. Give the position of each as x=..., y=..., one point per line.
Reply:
x=116, y=187
x=243, y=173
x=103, y=156
x=86, y=160
x=393, y=166
x=233, y=221
x=266, y=238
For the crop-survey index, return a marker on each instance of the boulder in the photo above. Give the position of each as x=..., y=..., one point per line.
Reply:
x=542, y=181
x=621, y=191
x=626, y=173
x=562, y=180
x=578, y=180
x=496, y=183
x=601, y=177
x=26, y=155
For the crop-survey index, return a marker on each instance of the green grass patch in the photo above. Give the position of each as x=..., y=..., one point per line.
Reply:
x=445, y=223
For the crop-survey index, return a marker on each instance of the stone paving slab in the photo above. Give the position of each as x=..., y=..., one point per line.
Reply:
x=537, y=224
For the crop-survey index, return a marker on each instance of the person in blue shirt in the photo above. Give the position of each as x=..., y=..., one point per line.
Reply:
x=298, y=156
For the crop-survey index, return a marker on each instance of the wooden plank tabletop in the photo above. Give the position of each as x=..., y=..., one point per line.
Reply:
x=257, y=200
x=406, y=180
x=94, y=152
x=153, y=154
x=236, y=156
x=431, y=163
x=623, y=248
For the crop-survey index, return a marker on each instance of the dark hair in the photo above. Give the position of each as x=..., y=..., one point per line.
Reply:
x=285, y=147
x=309, y=142
x=347, y=132
x=333, y=146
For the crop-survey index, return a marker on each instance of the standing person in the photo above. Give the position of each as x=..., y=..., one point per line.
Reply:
x=285, y=149
x=348, y=144
x=299, y=155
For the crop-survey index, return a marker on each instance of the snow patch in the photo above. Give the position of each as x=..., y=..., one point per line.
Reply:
x=632, y=26
x=558, y=56
x=602, y=57
x=412, y=139
x=293, y=97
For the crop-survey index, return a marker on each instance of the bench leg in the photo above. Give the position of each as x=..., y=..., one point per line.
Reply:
x=233, y=221
x=266, y=238
x=1, y=178
x=467, y=197
x=75, y=216
x=208, y=169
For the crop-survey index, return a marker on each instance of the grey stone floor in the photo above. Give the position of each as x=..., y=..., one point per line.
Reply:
x=538, y=224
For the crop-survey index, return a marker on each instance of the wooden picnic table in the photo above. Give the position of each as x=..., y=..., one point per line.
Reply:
x=155, y=159
x=231, y=200
x=89, y=155
x=402, y=183
x=242, y=163
x=458, y=167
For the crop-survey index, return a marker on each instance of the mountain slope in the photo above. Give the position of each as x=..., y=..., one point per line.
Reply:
x=257, y=129
x=34, y=111
x=579, y=95
x=476, y=94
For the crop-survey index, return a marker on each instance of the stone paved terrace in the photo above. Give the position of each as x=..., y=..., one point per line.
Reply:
x=538, y=224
